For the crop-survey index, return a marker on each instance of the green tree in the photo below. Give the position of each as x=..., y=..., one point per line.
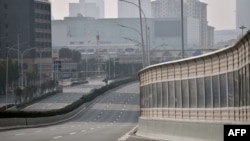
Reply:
x=13, y=73
x=51, y=85
x=76, y=56
x=65, y=53
x=72, y=54
x=18, y=92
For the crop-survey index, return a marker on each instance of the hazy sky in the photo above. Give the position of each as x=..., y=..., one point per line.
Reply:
x=221, y=13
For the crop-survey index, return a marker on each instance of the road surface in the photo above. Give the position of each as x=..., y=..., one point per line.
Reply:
x=109, y=118
x=69, y=95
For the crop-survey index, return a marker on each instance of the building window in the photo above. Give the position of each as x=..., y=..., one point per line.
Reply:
x=6, y=26
x=42, y=7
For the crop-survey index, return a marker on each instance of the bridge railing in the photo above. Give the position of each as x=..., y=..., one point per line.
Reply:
x=212, y=87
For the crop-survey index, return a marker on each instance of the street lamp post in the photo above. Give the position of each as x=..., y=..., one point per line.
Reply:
x=18, y=55
x=86, y=67
x=148, y=49
x=138, y=44
x=7, y=77
x=109, y=67
x=143, y=47
x=22, y=54
x=40, y=72
x=114, y=67
x=130, y=28
x=182, y=30
x=242, y=29
x=145, y=60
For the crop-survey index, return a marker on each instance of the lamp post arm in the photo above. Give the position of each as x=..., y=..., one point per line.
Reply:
x=145, y=56
x=137, y=7
x=22, y=53
x=132, y=40
x=130, y=28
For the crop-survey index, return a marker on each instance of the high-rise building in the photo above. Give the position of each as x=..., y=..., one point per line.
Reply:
x=166, y=9
x=130, y=8
x=242, y=13
x=192, y=9
x=100, y=5
x=198, y=10
x=87, y=8
x=25, y=26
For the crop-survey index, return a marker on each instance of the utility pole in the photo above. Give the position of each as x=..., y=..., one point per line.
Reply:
x=18, y=52
x=40, y=72
x=182, y=30
x=7, y=77
x=142, y=42
x=97, y=52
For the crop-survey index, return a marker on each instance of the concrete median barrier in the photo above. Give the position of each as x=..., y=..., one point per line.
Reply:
x=180, y=130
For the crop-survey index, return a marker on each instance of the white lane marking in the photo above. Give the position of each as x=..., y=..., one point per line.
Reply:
x=19, y=134
x=121, y=112
x=57, y=137
x=72, y=133
x=126, y=136
x=92, y=128
x=38, y=131
x=83, y=131
x=123, y=138
x=72, y=126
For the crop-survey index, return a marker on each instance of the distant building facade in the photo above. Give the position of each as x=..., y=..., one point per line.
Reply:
x=192, y=9
x=27, y=29
x=78, y=32
x=130, y=8
x=87, y=8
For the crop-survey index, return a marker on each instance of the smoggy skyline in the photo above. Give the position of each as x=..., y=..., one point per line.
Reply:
x=220, y=13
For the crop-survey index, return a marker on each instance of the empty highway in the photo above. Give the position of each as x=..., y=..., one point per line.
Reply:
x=109, y=118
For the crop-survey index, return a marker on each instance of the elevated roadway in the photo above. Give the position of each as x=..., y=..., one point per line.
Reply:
x=109, y=118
